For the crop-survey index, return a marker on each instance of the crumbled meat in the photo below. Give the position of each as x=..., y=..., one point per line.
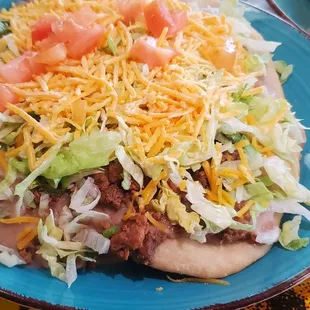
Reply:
x=57, y=204
x=246, y=218
x=152, y=240
x=37, y=196
x=28, y=253
x=233, y=236
x=113, y=195
x=130, y=237
x=200, y=176
x=181, y=194
x=138, y=238
x=134, y=186
x=115, y=172
x=230, y=156
x=101, y=180
x=173, y=187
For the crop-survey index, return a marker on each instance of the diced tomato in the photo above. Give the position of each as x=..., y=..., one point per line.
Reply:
x=158, y=16
x=52, y=56
x=180, y=20
x=49, y=42
x=88, y=39
x=36, y=68
x=84, y=17
x=153, y=56
x=16, y=71
x=67, y=30
x=42, y=28
x=131, y=10
x=225, y=57
x=6, y=95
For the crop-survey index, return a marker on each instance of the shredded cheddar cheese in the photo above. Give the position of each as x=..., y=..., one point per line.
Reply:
x=22, y=244
x=245, y=208
x=156, y=223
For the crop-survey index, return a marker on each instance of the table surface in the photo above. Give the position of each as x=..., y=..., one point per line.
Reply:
x=296, y=298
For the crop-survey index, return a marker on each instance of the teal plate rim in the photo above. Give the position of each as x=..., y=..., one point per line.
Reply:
x=244, y=302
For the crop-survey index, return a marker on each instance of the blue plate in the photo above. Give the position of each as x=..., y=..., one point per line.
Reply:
x=133, y=287
x=297, y=11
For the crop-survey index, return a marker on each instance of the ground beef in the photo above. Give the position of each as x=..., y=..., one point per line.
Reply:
x=230, y=156
x=139, y=239
x=134, y=186
x=57, y=204
x=115, y=173
x=200, y=176
x=152, y=240
x=246, y=218
x=181, y=194
x=233, y=236
x=130, y=237
x=111, y=194
x=101, y=180
x=28, y=253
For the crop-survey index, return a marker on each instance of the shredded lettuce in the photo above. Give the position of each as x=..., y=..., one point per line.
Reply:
x=66, y=181
x=254, y=63
x=231, y=8
x=170, y=202
x=259, y=46
x=74, y=226
x=87, y=152
x=10, y=177
x=53, y=250
x=289, y=238
x=47, y=235
x=126, y=181
x=258, y=192
x=289, y=206
x=195, y=152
x=22, y=187
x=128, y=165
x=93, y=240
x=280, y=173
x=219, y=215
x=284, y=70
x=86, y=197
x=10, y=257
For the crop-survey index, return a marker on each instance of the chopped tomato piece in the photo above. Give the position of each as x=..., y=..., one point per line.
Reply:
x=180, y=20
x=6, y=95
x=36, y=68
x=49, y=42
x=131, y=10
x=16, y=71
x=42, y=28
x=53, y=56
x=84, y=17
x=225, y=56
x=158, y=16
x=88, y=40
x=67, y=30
x=153, y=56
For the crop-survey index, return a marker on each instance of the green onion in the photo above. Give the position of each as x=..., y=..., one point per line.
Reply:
x=111, y=231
